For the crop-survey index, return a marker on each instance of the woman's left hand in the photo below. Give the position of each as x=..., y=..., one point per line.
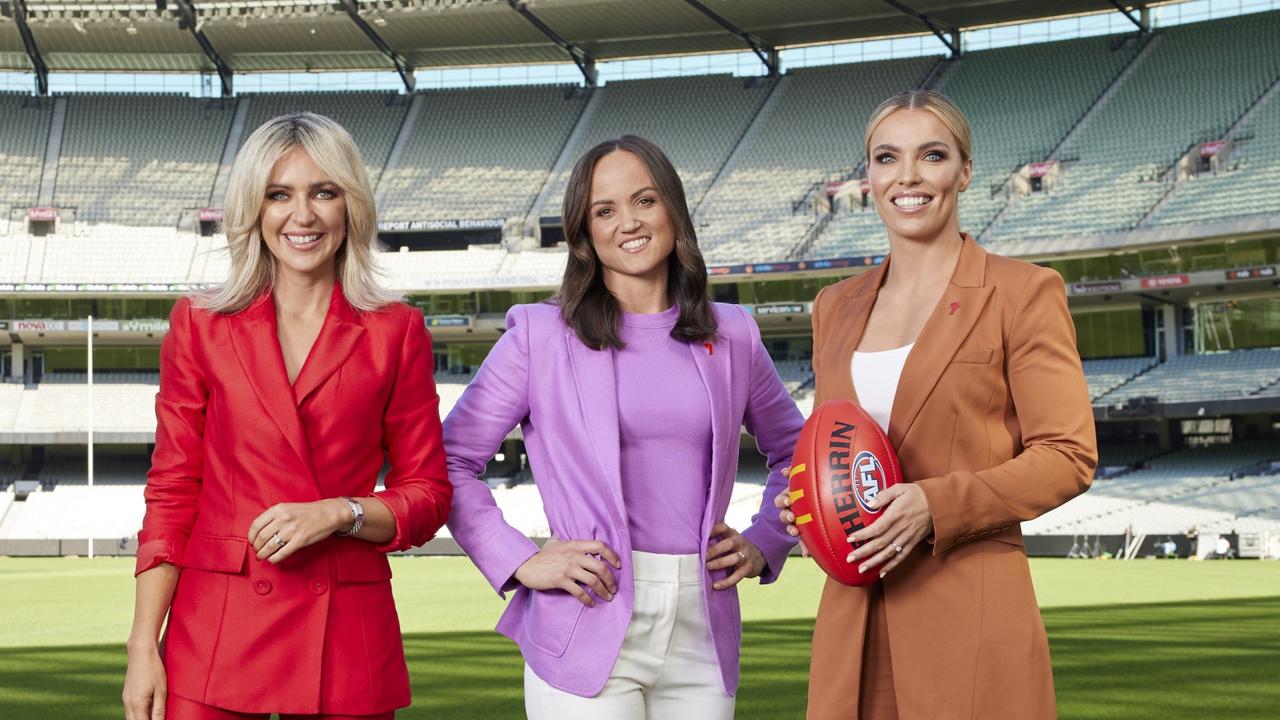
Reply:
x=733, y=551
x=890, y=539
x=288, y=527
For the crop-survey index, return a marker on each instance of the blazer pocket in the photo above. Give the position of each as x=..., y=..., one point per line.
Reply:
x=215, y=554
x=361, y=567
x=553, y=618
x=980, y=356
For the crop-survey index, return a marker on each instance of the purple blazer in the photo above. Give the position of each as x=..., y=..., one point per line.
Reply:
x=564, y=397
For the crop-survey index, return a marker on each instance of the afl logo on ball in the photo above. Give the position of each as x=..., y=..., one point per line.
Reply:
x=869, y=478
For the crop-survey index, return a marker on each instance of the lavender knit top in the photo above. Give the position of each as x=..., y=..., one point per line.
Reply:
x=664, y=417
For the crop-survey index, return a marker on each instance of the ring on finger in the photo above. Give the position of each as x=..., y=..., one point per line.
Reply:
x=742, y=557
x=279, y=541
x=896, y=547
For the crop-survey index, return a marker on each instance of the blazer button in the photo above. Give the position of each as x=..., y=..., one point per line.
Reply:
x=319, y=587
x=262, y=586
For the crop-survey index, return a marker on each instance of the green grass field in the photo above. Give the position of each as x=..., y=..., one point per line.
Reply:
x=1143, y=639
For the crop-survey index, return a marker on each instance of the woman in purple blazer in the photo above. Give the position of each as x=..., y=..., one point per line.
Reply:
x=631, y=388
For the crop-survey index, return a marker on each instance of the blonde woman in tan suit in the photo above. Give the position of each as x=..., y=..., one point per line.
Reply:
x=969, y=361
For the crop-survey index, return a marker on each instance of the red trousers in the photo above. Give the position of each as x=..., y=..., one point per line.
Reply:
x=180, y=708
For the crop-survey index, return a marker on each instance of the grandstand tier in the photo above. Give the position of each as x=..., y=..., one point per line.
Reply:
x=1158, y=146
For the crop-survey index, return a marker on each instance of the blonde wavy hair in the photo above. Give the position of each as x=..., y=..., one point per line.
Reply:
x=252, y=265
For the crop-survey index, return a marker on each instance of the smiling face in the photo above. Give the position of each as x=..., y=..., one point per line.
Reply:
x=303, y=218
x=917, y=173
x=630, y=226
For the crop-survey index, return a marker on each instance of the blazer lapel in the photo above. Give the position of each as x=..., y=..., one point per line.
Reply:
x=847, y=333
x=257, y=347
x=338, y=337
x=714, y=362
x=953, y=317
x=597, y=388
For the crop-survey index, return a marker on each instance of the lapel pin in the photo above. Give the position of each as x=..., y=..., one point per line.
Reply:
x=954, y=307
x=711, y=350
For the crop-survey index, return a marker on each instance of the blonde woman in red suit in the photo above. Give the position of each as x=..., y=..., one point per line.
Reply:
x=281, y=394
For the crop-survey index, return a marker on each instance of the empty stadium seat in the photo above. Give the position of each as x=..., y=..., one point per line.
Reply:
x=110, y=171
x=1194, y=82
x=810, y=131
x=24, y=130
x=1208, y=376
x=479, y=153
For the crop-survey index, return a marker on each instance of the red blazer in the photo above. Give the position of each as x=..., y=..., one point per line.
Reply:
x=318, y=633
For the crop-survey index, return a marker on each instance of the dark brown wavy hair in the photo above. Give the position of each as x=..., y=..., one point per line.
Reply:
x=586, y=304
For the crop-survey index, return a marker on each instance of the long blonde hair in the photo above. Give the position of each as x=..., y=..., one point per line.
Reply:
x=252, y=265
x=940, y=105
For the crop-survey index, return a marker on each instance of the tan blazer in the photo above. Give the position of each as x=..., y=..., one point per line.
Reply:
x=992, y=420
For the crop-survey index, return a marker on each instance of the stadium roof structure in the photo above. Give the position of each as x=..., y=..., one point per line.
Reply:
x=300, y=35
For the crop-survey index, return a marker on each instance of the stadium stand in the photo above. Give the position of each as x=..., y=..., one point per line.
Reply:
x=108, y=469
x=809, y=132
x=521, y=506
x=1248, y=185
x=1208, y=376
x=535, y=264
x=1192, y=85
x=1171, y=494
x=795, y=374
x=63, y=408
x=1109, y=374
x=116, y=377
x=155, y=255
x=67, y=512
x=211, y=262
x=450, y=387
x=1020, y=102
x=755, y=156
x=1123, y=458
x=14, y=253
x=697, y=121
x=479, y=153
x=439, y=267
x=372, y=118
x=110, y=172
x=10, y=400
x=24, y=129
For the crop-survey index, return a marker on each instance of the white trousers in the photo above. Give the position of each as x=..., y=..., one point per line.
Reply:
x=667, y=668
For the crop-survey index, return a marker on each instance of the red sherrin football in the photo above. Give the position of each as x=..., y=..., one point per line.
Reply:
x=842, y=460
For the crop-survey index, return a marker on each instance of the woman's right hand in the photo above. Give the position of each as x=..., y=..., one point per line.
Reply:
x=145, y=686
x=783, y=502
x=568, y=565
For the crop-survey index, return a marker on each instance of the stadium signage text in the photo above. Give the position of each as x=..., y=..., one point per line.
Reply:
x=787, y=309
x=39, y=325
x=415, y=225
x=163, y=288
x=1209, y=149
x=1092, y=288
x=793, y=266
x=449, y=321
x=1040, y=169
x=1164, y=281
x=42, y=214
x=210, y=214
x=1252, y=273
x=144, y=325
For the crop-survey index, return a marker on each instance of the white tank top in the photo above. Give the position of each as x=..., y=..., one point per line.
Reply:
x=875, y=379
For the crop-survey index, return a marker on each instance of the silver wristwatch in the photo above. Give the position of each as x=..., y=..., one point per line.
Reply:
x=357, y=515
